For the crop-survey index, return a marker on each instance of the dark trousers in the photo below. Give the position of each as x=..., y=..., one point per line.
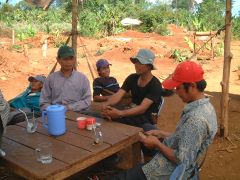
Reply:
x=134, y=173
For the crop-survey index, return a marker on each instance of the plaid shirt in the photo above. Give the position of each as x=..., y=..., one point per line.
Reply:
x=4, y=110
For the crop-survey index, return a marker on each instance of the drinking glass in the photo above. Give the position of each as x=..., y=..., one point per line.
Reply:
x=97, y=135
x=44, y=152
x=31, y=124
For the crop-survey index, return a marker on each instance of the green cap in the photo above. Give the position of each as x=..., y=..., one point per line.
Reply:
x=144, y=56
x=65, y=51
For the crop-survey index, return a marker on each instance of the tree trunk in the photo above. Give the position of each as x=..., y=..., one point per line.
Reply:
x=74, y=27
x=226, y=72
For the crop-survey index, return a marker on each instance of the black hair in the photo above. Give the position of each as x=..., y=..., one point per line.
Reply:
x=167, y=92
x=201, y=85
x=151, y=66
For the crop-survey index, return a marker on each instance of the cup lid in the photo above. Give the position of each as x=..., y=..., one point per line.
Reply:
x=56, y=107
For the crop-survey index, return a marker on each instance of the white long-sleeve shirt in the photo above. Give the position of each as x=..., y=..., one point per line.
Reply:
x=73, y=92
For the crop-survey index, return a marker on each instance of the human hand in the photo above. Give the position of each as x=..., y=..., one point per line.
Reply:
x=150, y=142
x=113, y=112
x=105, y=114
x=154, y=132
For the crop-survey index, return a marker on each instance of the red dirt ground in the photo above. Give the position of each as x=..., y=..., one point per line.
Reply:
x=223, y=157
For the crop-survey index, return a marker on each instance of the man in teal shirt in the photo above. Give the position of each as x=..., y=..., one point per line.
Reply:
x=29, y=99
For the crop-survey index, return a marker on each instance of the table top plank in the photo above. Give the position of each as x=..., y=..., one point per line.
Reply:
x=74, y=139
x=23, y=160
x=62, y=151
x=108, y=128
x=110, y=136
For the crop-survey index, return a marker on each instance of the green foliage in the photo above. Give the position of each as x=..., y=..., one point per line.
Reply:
x=156, y=20
x=16, y=47
x=162, y=29
x=189, y=42
x=26, y=33
x=180, y=55
x=27, y=20
x=101, y=50
x=198, y=24
x=219, y=49
x=183, y=4
x=211, y=14
x=236, y=27
x=59, y=40
x=99, y=18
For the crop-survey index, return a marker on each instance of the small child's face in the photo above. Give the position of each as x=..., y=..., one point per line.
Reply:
x=104, y=71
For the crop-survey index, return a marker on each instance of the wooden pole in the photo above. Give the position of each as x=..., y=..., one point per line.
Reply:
x=226, y=72
x=74, y=27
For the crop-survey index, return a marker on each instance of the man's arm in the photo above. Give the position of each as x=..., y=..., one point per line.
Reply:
x=115, y=98
x=158, y=133
x=137, y=110
x=98, y=98
x=153, y=142
x=126, y=87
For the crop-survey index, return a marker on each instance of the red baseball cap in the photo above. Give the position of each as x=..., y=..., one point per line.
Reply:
x=185, y=72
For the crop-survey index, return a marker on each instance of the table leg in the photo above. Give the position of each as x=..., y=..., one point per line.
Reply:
x=131, y=156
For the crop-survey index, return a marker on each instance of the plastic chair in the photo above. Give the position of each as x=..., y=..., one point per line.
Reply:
x=160, y=106
x=178, y=172
x=181, y=168
x=155, y=116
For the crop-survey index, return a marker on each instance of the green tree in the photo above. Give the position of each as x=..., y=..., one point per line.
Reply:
x=211, y=13
x=183, y=4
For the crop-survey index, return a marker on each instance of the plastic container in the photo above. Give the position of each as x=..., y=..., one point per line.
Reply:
x=90, y=122
x=81, y=122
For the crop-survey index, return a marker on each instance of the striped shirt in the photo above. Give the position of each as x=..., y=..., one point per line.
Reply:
x=102, y=85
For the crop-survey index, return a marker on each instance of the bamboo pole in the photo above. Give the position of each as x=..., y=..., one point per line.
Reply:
x=226, y=72
x=74, y=27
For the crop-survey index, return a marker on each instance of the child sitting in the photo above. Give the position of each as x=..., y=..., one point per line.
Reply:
x=104, y=86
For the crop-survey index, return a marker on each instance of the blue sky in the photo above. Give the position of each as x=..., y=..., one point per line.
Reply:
x=235, y=10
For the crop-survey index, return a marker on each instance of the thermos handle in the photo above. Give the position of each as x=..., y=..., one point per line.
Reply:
x=44, y=114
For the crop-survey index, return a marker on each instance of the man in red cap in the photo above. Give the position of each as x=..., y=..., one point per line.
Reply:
x=194, y=132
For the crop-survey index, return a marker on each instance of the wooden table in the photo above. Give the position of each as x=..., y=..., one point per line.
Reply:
x=72, y=152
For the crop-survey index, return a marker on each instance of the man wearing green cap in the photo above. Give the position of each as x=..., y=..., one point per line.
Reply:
x=146, y=91
x=67, y=86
